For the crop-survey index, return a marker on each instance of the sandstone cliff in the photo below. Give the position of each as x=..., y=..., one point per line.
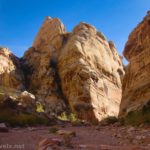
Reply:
x=40, y=65
x=136, y=84
x=90, y=71
x=80, y=68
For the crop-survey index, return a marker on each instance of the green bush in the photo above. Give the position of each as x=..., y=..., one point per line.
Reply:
x=39, y=107
x=63, y=116
x=72, y=117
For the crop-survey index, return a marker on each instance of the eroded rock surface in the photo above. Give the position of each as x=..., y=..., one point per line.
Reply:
x=81, y=70
x=40, y=65
x=90, y=70
x=136, y=84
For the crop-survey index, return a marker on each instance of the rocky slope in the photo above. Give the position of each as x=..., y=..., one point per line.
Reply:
x=13, y=97
x=136, y=84
x=81, y=69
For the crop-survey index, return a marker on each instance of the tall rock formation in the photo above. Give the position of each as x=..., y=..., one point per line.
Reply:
x=136, y=84
x=40, y=65
x=90, y=70
x=80, y=68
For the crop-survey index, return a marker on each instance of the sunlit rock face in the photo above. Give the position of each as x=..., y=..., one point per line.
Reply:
x=40, y=65
x=80, y=70
x=10, y=72
x=90, y=70
x=136, y=84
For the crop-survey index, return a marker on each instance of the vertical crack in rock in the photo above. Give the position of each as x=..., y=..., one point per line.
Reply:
x=54, y=65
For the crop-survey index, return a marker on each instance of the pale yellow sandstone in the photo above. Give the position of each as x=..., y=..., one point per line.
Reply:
x=90, y=70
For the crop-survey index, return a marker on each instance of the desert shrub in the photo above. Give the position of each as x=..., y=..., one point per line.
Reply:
x=138, y=117
x=39, y=107
x=53, y=130
x=110, y=120
x=9, y=113
x=71, y=117
x=14, y=119
x=63, y=116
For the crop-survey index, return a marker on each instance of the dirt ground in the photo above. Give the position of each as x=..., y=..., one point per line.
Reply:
x=112, y=137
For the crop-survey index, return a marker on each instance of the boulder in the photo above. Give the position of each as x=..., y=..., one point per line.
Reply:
x=26, y=99
x=3, y=127
x=49, y=144
x=15, y=99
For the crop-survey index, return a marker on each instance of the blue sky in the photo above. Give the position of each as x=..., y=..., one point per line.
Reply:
x=20, y=20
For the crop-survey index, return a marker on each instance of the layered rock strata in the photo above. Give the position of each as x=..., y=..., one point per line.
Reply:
x=136, y=84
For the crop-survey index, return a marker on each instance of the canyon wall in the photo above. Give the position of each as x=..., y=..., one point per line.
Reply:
x=136, y=83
